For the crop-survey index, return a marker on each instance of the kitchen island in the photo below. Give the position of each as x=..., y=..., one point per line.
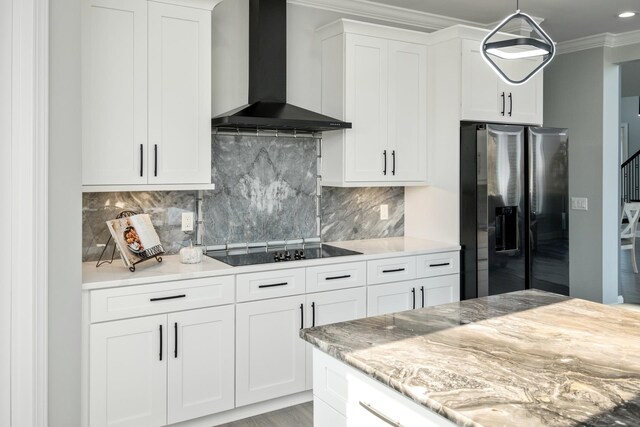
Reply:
x=527, y=358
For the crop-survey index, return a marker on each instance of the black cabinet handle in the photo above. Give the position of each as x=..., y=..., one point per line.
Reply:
x=413, y=294
x=155, y=160
x=503, y=101
x=175, y=343
x=141, y=158
x=301, y=316
x=395, y=270
x=422, y=291
x=346, y=276
x=273, y=285
x=442, y=264
x=510, y=104
x=393, y=164
x=313, y=314
x=165, y=298
x=384, y=170
x=160, y=342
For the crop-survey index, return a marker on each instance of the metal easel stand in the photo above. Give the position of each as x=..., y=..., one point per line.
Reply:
x=132, y=268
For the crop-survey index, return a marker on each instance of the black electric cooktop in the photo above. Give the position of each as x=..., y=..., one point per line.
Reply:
x=280, y=255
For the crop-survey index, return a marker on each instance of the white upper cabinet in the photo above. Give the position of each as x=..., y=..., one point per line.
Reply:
x=114, y=92
x=179, y=94
x=146, y=89
x=376, y=78
x=486, y=98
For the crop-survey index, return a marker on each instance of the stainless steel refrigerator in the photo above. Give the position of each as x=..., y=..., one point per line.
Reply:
x=514, y=228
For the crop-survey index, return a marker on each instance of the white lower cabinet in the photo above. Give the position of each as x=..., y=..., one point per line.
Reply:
x=200, y=359
x=270, y=355
x=128, y=373
x=154, y=370
x=348, y=397
x=401, y=296
x=324, y=308
x=391, y=298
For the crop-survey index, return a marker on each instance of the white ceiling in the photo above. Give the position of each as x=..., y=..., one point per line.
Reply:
x=563, y=19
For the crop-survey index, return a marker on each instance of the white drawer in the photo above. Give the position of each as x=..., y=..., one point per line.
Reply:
x=438, y=264
x=143, y=300
x=270, y=284
x=391, y=270
x=363, y=400
x=336, y=276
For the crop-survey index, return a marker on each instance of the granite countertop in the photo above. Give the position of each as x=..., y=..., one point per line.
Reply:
x=170, y=269
x=527, y=358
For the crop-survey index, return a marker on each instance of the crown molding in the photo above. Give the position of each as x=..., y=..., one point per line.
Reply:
x=386, y=13
x=599, y=40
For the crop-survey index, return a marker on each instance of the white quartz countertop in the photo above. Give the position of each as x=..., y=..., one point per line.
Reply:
x=170, y=269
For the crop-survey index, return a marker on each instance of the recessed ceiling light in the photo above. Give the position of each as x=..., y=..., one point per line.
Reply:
x=627, y=14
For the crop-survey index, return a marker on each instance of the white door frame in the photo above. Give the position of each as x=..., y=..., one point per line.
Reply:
x=24, y=49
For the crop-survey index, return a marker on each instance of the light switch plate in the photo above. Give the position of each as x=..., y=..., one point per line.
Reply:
x=579, y=203
x=187, y=221
x=384, y=212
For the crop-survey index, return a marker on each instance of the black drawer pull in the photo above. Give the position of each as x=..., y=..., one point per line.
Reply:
x=165, y=298
x=413, y=294
x=442, y=264
x=141, y=160
x=395, y=270
x=313, y=314
x=346, y=276
x=273, y=285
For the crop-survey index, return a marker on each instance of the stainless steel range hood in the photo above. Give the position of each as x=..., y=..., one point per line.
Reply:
x=267, y=107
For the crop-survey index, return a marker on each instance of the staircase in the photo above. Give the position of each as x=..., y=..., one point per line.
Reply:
x=630, y=179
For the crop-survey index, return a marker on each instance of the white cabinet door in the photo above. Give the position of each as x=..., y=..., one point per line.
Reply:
x=524, y=102
x=179, y=95
x=392, y=297
x=128, y=373
x=270, y=355
x=324, y=308
x=481, y=98
x=114, y=98
x=439, y=290
x=200, y=363
x=407, y=112
x=366, y=107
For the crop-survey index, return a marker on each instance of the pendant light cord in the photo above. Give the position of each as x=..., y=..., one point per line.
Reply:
x=517, y=4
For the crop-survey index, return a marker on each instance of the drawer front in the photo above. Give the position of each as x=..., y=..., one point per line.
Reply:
x=438, y=264
x=270, y=284
x=337, y=276
x=391, y=270
x=143, y=300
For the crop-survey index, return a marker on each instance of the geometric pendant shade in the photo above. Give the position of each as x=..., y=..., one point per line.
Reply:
x=518, y=48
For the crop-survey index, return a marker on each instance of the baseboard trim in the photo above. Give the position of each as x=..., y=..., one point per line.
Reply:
x=248, y=411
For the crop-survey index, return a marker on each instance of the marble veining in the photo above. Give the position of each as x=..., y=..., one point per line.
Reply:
x=527, y=358
x=265, y=189
x=164, y=207
x=354, y=213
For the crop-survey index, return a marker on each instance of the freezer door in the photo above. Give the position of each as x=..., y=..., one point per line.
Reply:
x=503, y=209
x=549, y=208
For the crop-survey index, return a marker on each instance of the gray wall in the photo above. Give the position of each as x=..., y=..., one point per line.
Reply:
x=64, y=214
x=578, y=94
x=629, y=114
x=630, y=79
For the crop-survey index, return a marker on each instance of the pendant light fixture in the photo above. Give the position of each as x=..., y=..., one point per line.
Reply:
x=518, y=48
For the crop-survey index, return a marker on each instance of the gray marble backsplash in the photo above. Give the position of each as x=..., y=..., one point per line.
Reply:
x=354, y=213
x=265, y=190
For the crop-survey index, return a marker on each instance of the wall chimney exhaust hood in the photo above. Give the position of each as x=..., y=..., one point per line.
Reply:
x=268, y=108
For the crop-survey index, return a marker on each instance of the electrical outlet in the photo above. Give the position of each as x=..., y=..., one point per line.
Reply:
x=579, y=203
x=384, y=212
x=187, y=221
